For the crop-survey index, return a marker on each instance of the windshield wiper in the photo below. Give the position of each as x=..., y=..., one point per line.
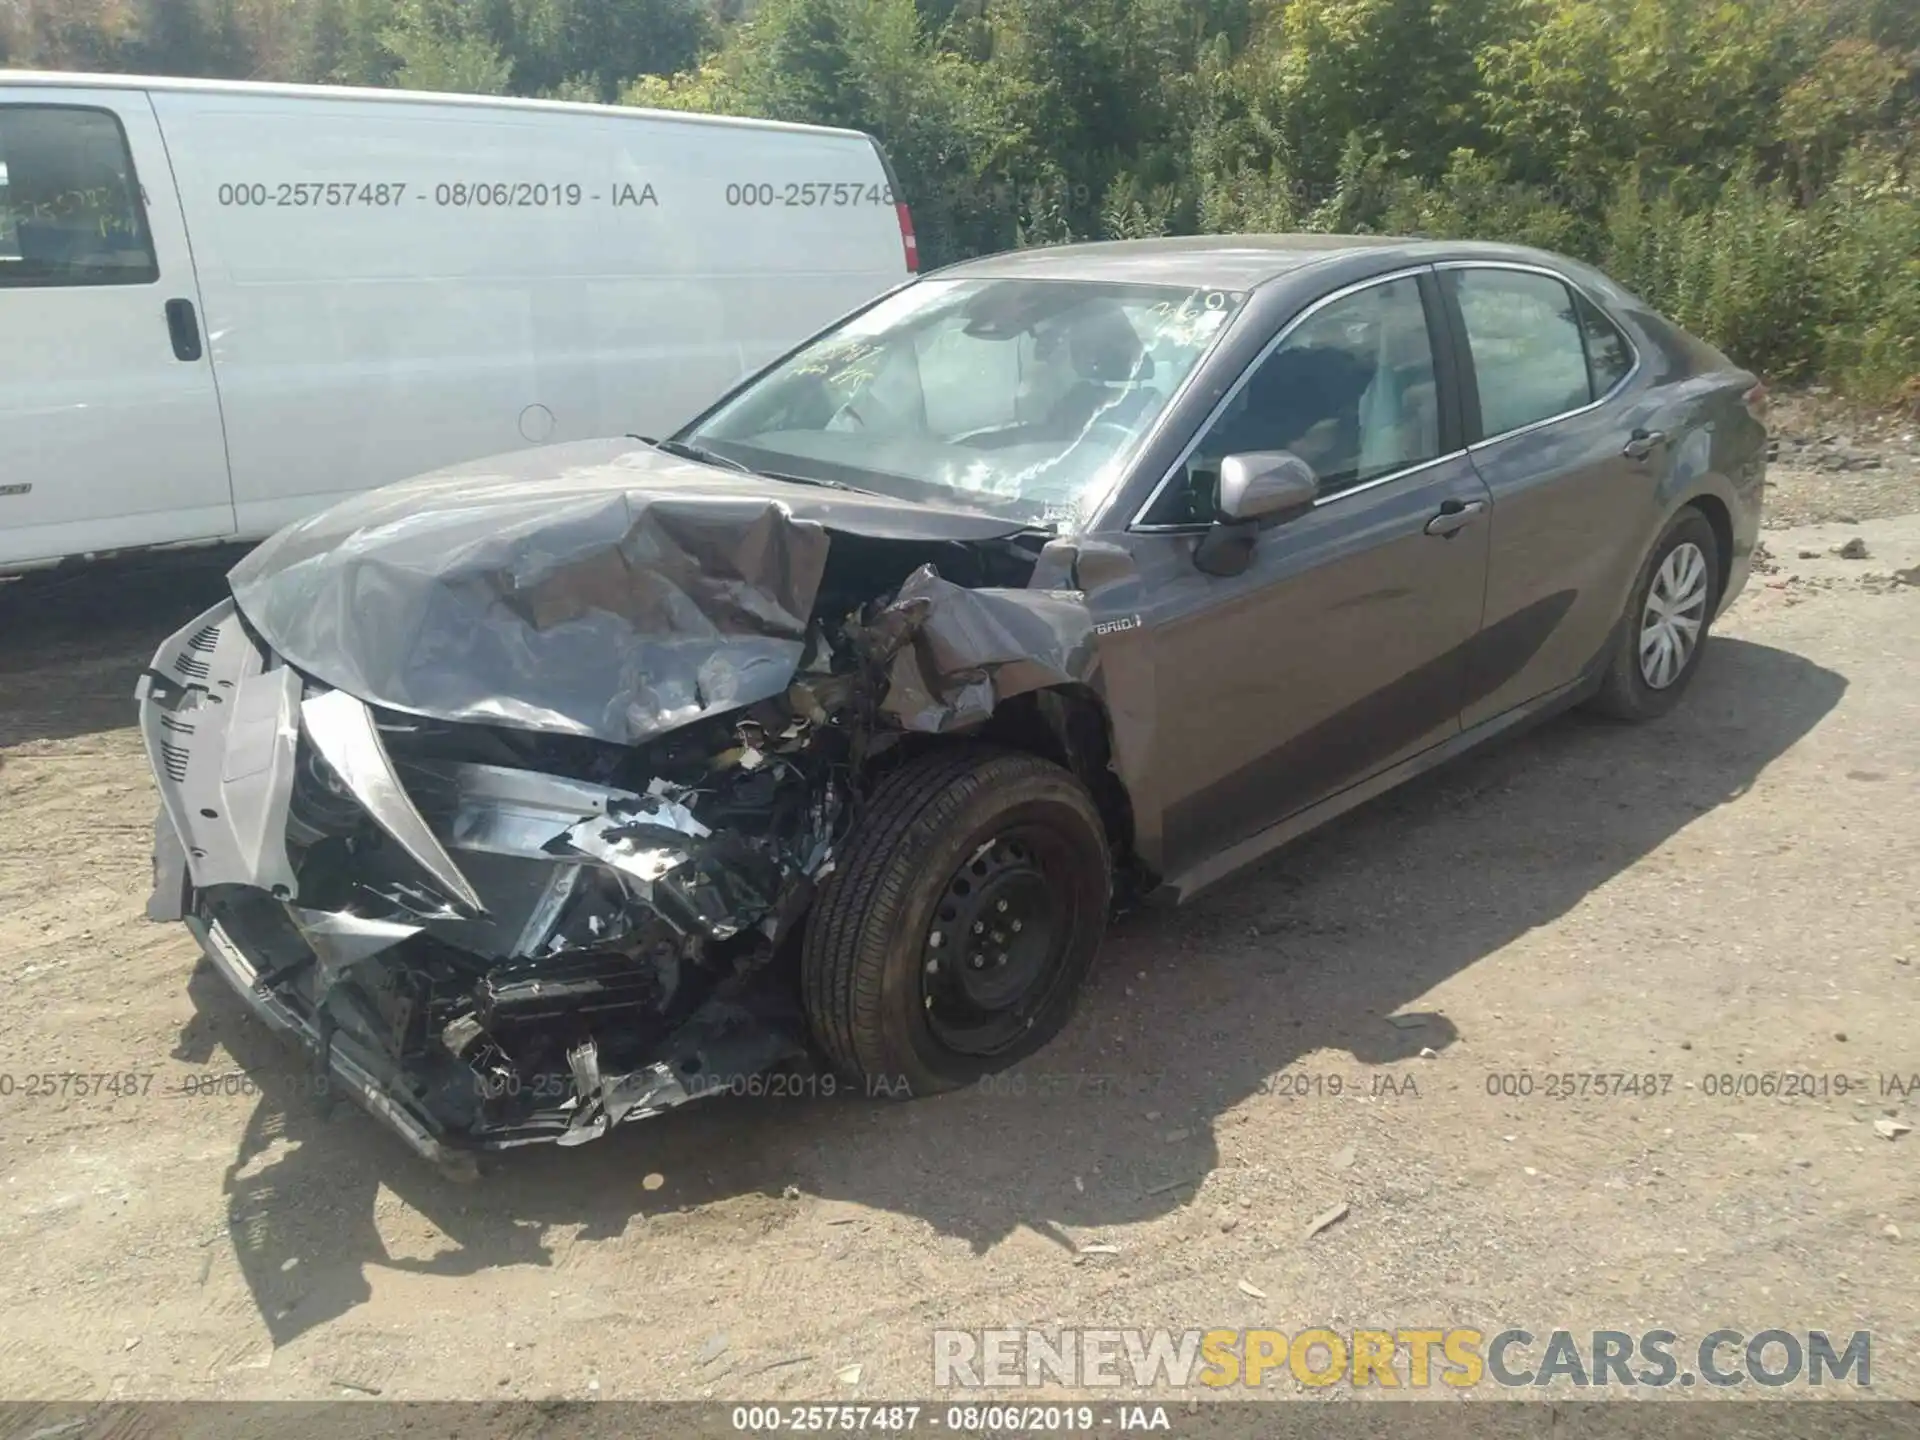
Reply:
x=688, y=451
x=811, y=480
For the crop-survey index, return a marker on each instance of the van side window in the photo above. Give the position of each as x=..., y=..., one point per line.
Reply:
x=1528, y=354
x=1350, y=391
x=70, y=211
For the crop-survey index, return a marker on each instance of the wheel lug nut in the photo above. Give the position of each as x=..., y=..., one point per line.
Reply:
x=1016, y=927
x=1000, y=905
x=979, y=927
x=1001, y=961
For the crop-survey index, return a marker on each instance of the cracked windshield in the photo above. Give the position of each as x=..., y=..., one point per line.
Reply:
x=1022, y=397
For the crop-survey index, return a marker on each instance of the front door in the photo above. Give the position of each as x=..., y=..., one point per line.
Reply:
x=110, y=429
x=1341, y=648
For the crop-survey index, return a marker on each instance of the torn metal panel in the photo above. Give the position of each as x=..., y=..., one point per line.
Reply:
x=342, y=730
x=341, y=941
x=508, y=811
x=953, y=655
x=1102, y=576
x=593, y=589
x=220, y=733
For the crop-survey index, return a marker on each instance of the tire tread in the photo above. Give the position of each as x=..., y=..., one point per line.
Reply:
x=859, y=907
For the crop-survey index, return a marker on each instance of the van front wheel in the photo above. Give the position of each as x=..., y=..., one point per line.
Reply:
x=954, y=934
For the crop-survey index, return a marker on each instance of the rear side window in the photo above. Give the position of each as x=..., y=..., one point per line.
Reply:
x=1609, y=356
x=1529, y=354
x=70, y=210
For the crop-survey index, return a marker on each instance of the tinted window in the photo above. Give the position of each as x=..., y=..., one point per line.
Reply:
x=69, y=206
x=1528, y=356
x=1609, y=356
x=1350, y=391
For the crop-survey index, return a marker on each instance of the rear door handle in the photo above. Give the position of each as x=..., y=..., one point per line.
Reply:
x=184, y=330
x=1455, y=515
x=1643, y=443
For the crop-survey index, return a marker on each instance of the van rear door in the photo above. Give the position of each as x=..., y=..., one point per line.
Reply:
x=110, y=430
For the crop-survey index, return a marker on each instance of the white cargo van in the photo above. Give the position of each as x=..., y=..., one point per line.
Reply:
x=223, y=306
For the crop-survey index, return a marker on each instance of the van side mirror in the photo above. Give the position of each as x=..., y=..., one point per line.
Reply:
x=1257, y=489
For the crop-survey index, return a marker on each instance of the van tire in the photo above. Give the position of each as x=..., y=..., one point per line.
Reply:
x=959, y=837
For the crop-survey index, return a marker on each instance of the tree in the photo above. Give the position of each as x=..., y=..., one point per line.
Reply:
x=438, y=47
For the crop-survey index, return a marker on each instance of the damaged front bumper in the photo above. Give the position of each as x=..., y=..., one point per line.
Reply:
x=483, y=953
x=506, y=800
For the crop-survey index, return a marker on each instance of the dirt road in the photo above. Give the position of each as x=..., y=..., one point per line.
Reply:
x=1728, y=893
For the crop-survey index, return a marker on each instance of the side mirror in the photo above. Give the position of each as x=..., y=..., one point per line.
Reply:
x=1257, y=489
x=1268, y=485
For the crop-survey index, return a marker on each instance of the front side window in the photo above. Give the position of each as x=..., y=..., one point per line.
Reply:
x=1350, y=391
x=70, y=211
x=1528, y=355
x=1022, y=397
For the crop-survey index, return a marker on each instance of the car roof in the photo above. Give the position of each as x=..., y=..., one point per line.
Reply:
x=1225, y=262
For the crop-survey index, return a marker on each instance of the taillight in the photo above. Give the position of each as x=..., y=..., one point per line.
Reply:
x=907, y=240
x=1757, y=401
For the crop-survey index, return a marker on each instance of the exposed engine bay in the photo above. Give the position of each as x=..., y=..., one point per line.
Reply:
x=496, y=934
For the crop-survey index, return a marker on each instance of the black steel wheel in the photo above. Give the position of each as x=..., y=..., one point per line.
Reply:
x=954, y=935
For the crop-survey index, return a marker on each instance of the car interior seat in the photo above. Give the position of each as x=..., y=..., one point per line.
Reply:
x=1111, y=365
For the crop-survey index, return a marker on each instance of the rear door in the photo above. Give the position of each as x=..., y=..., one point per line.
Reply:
x=109, y=422
x=1552, y=408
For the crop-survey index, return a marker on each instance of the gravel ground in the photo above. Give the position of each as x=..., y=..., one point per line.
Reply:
x=1839, y=465
x=1730, y=891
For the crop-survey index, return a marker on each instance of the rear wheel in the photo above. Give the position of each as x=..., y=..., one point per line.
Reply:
x=1666, y=623
x=955, y=933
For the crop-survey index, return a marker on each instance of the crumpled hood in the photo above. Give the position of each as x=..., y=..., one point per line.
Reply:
x=599, y=588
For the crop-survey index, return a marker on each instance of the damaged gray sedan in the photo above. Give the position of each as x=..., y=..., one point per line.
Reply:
x=551, y=791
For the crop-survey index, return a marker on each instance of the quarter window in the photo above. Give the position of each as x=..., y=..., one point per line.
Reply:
x=1609, y=356
x=70, y=211
x=1529, y=358
x=1350, y=391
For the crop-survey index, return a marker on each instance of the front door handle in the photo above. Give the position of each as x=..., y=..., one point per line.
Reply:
x=184, y=330
x=1455, y=515
x=1643, y=443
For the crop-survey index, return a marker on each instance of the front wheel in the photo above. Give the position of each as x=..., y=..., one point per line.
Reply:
x=954, y=934
x=1666, y=624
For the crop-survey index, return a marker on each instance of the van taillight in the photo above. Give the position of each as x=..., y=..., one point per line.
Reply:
x=907, y=240
x=1757, y=402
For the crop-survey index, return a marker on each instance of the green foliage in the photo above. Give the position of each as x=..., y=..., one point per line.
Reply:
x=1747, y=165
x=1473, y=199
x=440, y=46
